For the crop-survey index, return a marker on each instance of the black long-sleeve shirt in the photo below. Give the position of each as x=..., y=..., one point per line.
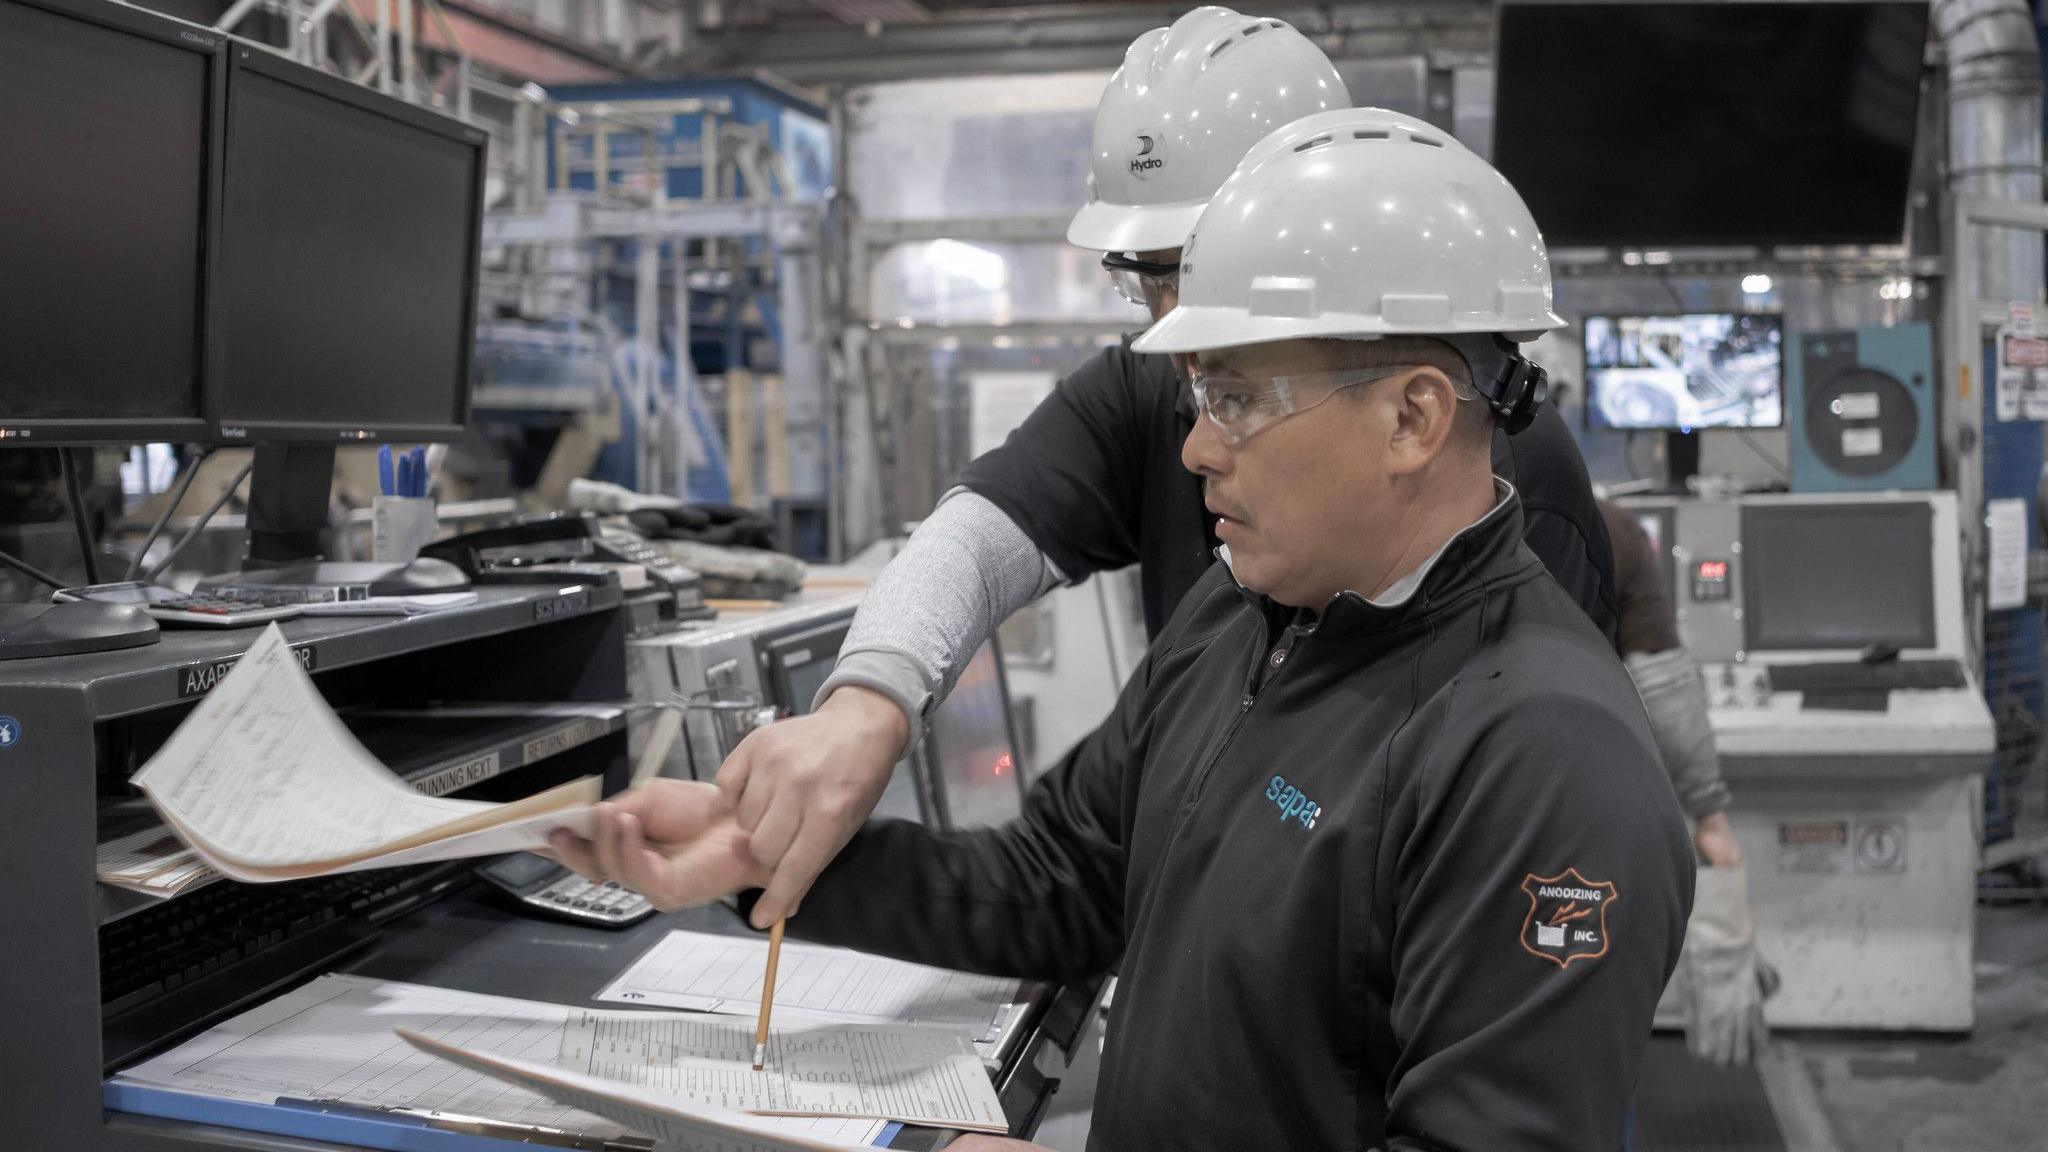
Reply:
x=1094, y=478
x=1398, y=877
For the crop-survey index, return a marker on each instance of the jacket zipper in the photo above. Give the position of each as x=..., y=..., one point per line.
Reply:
x=1244, y=709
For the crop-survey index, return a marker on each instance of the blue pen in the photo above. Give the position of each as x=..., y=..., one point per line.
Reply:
x=405, y=475
x=419, y=470
x=384, y=470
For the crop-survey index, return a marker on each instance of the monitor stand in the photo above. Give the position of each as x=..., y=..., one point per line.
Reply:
x=72, y=628
x=1681, y=460
x=288, y=504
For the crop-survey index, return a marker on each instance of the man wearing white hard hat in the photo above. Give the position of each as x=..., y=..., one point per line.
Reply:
x=1378, y=830
x=1093, y=481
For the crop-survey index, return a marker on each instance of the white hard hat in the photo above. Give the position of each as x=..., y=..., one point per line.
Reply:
x=1187, y=104
x=1359, y=223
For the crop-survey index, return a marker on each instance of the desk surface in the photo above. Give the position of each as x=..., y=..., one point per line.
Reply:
x=155, y=675
x=476, y=942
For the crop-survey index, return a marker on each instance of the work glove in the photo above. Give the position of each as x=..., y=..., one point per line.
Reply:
x=1726, y=982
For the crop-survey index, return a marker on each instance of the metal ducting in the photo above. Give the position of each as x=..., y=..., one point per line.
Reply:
x=1994, y=130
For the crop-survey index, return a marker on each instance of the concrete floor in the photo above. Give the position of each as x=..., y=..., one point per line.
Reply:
x=1984, y=1092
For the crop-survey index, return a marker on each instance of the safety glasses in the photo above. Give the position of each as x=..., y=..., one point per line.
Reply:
x=1241, y=407
x=1141, y=282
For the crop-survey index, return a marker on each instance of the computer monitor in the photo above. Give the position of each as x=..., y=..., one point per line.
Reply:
x=1838, y=575
x=1684, y=372
x=970, y=748
x=349, y=262
x=794, y=665
x=1661, y=124
x=111, y=119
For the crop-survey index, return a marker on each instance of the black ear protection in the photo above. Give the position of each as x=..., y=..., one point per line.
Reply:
x=1515, y=387
x=1519, y=389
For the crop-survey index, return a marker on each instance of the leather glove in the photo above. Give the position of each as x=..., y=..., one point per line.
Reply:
x=1725, y=981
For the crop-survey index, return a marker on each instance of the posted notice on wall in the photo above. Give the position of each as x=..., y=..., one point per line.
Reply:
x=998, y=402
x=2022, y=367
x=2005, y=546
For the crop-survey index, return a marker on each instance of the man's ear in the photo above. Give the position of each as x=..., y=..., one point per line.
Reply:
x=1425, y=412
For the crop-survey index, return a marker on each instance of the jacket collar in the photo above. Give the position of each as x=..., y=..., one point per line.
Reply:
x=1486, y=551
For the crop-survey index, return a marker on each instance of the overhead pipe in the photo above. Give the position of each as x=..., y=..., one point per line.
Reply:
x=1994, y=131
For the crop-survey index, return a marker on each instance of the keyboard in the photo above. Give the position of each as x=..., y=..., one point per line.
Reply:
x=1854, y=675
x=224, y=926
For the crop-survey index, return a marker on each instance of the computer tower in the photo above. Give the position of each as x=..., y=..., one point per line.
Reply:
x=1860, y=408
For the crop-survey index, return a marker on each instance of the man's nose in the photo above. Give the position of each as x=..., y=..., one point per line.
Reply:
x=1204, y=453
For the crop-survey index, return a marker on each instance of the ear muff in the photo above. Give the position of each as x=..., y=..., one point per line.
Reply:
x=1519, y=389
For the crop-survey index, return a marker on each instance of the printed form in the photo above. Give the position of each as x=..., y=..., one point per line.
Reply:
x=702, y=972
x=335, y=1040
x=265, y=782
x=928, y=1076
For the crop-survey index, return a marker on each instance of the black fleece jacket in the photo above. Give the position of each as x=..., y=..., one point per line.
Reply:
x=1401, y=877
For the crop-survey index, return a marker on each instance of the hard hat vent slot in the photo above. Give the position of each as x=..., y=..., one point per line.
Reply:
x=1218, y=50
x=1254, y=28
x=1429, y=140
x=1371, y=134
x=1318, y=142
x=1275, y=24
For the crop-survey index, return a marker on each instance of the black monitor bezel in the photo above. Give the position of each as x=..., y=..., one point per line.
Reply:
x=198, y=428
x=1586, y=372
x=263, y=62
x=773, y=651
x=933, y=756
x=1927, y=633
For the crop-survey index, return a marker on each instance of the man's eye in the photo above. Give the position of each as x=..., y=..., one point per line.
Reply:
x=1232, y=406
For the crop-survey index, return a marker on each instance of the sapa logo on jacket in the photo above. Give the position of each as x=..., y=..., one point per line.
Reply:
x=1292, y=803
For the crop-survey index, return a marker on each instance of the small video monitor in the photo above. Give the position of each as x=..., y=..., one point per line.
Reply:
x=1683, y=372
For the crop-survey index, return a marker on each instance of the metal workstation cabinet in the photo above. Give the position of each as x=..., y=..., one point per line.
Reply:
x=1858, y=787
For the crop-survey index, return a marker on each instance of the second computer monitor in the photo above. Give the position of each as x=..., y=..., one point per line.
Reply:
x=108, y=116
x=349, y=263
x=1681, y=372
x=1838, y=575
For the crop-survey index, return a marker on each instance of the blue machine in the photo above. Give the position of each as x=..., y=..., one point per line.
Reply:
x=1860, y=409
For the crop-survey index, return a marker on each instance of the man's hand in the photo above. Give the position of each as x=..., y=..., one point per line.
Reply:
x=673, y=841
x=1716, y=842
x=803, y=787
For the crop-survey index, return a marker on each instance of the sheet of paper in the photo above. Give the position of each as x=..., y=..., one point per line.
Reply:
x=333, y=1039
x=928, y=1076
x=2005, y=546
x=708, y=973
x=674, y=1123
x=263, y=774
x=998, y=402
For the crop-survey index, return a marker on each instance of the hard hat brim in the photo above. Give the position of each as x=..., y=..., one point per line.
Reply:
x=1107, y=227
x=1205, y=329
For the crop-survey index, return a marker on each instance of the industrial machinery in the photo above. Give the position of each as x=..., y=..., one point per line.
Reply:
x=964, y=772
x=1861, y=407
x=1830, y=631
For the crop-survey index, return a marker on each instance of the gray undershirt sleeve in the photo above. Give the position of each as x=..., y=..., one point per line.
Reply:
x=963, y=572
x=1675, y=697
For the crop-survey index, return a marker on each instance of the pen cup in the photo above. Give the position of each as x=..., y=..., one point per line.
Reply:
x=400, y=526
x=716, y=720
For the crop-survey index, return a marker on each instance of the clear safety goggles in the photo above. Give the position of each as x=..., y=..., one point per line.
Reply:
x=1241, y=407
x=1141, y=282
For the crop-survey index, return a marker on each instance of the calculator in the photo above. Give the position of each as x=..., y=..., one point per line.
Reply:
x=170, y=606
x=539, y=883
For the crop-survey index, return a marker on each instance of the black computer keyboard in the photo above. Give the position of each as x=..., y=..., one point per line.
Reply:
x=1854, y=675
x=226, y=925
